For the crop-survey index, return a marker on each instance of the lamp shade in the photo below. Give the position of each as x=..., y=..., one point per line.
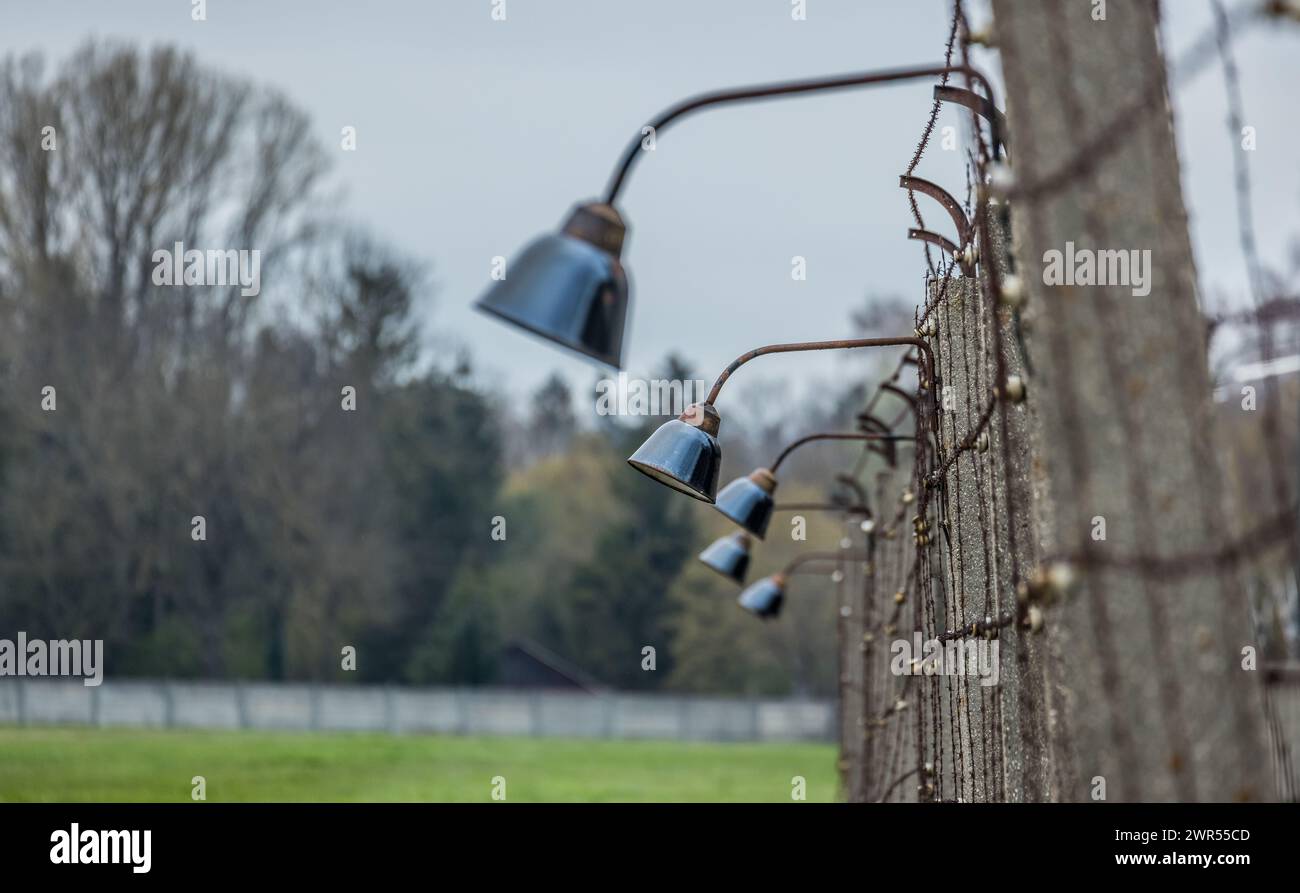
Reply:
x=748, y=501
x=729, y=556
x=764, y=598
x=569, y=287
x=684, y=453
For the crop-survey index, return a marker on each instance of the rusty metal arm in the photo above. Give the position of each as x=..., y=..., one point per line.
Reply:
x=832, y=436
x=806, y=557
x=824, y=345
x=779, y=89
x=821, y=507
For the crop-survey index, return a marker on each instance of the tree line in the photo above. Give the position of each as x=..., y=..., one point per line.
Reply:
x=221, y=484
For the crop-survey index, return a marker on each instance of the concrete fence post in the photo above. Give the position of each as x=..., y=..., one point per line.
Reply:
x=1157, y=706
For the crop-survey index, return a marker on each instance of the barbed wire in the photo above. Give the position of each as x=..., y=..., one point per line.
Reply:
x=967, y=582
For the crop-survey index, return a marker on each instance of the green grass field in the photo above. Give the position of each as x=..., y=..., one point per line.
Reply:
x=118, y=765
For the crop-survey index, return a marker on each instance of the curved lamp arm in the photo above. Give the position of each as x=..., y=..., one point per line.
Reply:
x=822, y=556
x=859, y=509
x=918, y=343
x=789, y=88
x=855, y=435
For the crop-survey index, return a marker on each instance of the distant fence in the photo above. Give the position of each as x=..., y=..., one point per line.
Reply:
x=399, y=710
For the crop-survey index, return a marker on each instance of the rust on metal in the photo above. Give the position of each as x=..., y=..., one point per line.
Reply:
x=844, y=555
x=924, y=235
x=982, y=106
x=844, y=344
x=782, y=88
x=822, y=507
x=838, y=435
x=941, y=195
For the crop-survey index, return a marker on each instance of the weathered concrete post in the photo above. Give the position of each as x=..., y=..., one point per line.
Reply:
x=1157, y=705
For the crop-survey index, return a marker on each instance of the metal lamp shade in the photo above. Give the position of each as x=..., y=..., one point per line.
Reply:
x=729, y=556
x=748, y=501
x=683, y=455
x=569, y=287
x=764, y=598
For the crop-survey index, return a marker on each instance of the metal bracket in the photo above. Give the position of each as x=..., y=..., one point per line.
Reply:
x=939, y=194
x=886, y=449
x=981, y=106
x=924, y=235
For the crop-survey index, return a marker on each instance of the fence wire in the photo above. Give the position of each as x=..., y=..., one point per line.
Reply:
x=950, y=533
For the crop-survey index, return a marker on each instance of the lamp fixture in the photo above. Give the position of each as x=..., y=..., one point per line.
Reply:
x=748, y=501
x=684, y=454
x=571, y=287
x=765, y=597
x=729, y=555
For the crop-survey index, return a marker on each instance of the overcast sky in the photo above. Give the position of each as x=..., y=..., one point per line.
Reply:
x=474, y=135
